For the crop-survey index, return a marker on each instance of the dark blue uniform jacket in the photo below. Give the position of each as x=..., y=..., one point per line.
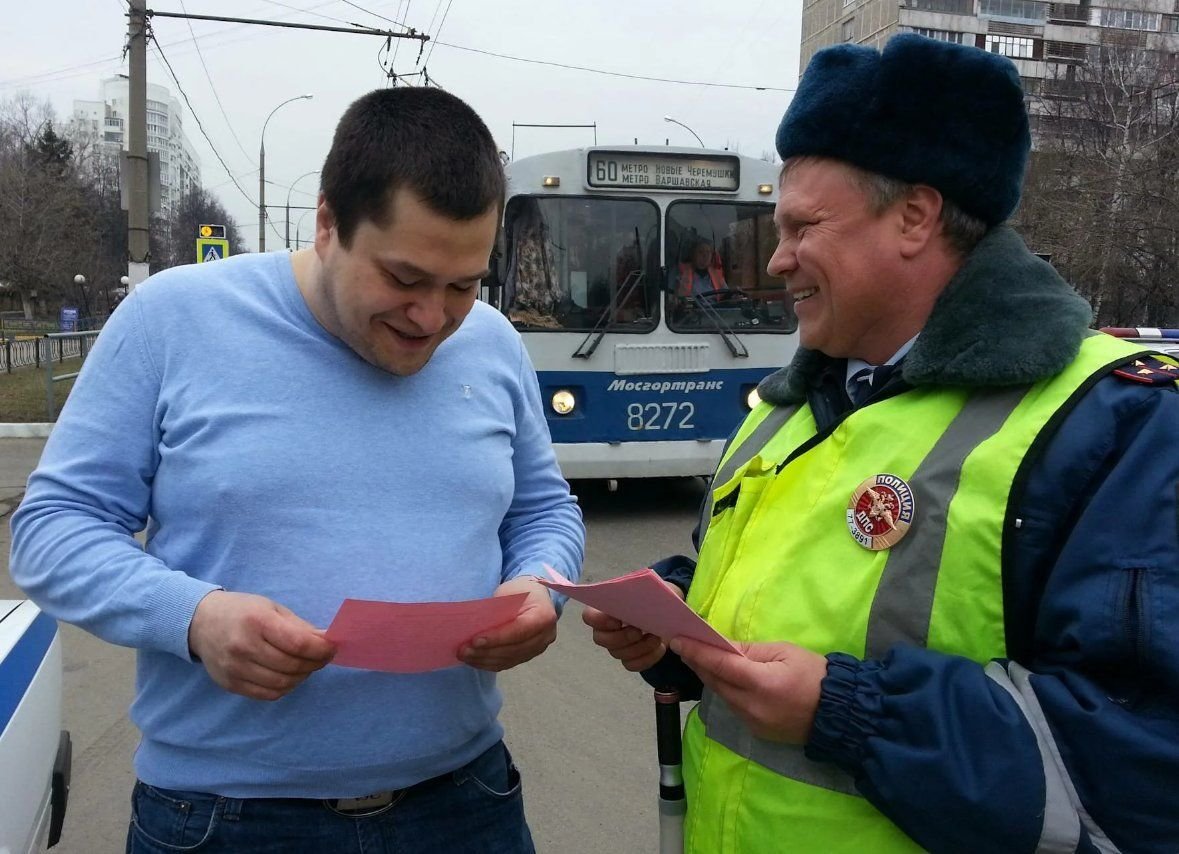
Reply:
x=1091, y=603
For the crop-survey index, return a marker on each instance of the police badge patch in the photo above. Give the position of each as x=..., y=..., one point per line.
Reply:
x=880, y=512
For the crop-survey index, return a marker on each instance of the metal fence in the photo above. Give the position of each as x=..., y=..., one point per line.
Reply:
x=81, y=341
x=29, y=352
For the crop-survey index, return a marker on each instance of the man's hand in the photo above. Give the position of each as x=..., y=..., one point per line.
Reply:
x=524, y=638
x=774, y=689
x=636, y=649
x=254, y=647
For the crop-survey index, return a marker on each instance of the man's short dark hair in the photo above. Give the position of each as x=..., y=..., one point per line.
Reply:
x=421, y=139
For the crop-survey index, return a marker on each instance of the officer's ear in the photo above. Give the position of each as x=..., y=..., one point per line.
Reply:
x=918, y=219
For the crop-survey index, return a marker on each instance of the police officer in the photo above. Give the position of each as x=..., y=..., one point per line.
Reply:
x=946, y=540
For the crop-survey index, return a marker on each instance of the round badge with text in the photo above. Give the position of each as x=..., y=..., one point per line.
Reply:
x=880, y=511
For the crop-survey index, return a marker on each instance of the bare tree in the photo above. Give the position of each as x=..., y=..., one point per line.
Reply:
x=1103, y=188
x=44, y=212
x=61, y=214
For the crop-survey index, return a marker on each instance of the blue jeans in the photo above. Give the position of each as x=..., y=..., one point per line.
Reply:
x=478, y=808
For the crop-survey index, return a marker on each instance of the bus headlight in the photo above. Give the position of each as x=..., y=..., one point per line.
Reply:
x=753, y=398
x=563, y=402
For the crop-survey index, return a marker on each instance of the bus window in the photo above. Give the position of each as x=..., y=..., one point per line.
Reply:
x=717, y=254
x=573, y=262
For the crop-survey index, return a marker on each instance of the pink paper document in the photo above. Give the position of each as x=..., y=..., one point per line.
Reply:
x=413, y=637
x=642, y=600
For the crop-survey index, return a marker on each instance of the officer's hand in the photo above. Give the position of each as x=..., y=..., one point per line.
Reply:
x=528, y=634
x=254, y=647
x=636, y=649
x=774, y=689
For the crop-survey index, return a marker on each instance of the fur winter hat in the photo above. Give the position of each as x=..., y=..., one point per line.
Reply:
x=923, y=112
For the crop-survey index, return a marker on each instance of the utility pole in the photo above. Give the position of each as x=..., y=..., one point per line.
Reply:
x=138, y=217
x=137, y=30
x=262, y=192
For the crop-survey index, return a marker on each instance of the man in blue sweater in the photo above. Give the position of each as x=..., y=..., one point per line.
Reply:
x=294, y=430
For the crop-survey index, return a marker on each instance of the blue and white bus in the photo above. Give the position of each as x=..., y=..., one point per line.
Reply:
x=637, y=277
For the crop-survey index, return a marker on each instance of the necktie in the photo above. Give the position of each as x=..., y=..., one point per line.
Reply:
x=867, y=381
x=860, y=386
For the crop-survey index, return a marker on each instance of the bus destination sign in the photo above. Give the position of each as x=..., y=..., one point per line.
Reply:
x=650, y=171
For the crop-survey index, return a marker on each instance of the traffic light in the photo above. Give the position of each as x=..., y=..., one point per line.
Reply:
x=217, y=231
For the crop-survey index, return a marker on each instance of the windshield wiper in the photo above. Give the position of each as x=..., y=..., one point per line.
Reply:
x=736, y=345
x=633, y=279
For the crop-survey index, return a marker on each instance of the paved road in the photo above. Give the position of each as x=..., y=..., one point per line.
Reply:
x=580, y=727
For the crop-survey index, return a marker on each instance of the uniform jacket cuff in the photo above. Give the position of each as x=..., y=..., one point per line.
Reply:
x=849, y=705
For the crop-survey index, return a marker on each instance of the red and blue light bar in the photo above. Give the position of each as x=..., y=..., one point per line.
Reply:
x=1140, y=332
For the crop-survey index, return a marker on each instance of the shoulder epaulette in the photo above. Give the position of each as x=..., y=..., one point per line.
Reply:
x=1149, y=370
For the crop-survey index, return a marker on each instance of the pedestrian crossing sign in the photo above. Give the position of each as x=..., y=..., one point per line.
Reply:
x=211, y=249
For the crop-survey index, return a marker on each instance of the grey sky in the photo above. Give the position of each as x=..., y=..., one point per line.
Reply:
x=750, y=42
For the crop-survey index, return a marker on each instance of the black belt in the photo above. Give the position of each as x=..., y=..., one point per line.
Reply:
x=378, y=802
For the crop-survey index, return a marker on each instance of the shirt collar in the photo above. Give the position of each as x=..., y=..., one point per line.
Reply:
x=854, y=366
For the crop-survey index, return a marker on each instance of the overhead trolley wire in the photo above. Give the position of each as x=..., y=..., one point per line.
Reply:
x=439, y=32
x=213, y=87
x=603, y=71
x=205, y=134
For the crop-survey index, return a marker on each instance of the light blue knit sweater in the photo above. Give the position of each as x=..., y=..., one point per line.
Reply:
x=265, y=456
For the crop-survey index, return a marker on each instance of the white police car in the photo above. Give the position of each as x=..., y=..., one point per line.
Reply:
x=34, y=749
x=1163, y=340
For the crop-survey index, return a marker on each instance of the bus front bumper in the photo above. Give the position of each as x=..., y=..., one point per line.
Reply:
x=589, y=460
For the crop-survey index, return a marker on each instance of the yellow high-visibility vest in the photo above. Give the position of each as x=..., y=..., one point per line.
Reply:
x=779, y=562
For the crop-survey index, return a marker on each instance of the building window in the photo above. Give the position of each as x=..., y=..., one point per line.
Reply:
x=1024, y=10
x=1064, y=50
x=950, y=7
x=939, y=35
x=1130, y=19
x=847, y=30
x=1016, y=47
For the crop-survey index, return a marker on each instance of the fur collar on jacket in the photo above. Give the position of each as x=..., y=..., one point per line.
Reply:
x=1005, y=318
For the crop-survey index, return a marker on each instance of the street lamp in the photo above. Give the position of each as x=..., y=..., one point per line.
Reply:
x=685, y=127
x=298, y=225
x=80, y=281
x=296, y=181
x=262, y=171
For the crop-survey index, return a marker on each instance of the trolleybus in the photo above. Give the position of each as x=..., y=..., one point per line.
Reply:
x=637, y=278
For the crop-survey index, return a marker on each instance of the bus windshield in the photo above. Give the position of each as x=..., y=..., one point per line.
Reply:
x=577, y=263
x=717, y=254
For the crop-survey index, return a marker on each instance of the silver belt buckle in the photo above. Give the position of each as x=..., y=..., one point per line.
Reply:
x=362, y=806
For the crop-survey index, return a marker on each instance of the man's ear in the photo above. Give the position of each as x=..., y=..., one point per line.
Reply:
x=920, y=219
x=325, y=222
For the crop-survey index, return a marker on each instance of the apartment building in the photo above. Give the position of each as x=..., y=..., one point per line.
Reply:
x=1055, y=46
x=106, y=122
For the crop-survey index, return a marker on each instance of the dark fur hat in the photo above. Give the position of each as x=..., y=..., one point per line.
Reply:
x=923, y=112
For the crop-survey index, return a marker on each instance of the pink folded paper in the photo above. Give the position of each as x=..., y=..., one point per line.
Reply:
x=413, y=637
x=641, y=599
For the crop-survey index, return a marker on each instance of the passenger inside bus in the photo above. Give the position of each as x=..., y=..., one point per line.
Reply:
x=699, y=272
x=532, y=290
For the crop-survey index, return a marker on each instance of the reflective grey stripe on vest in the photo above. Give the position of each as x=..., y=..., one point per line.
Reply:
x=903, y=603
x=788, y=760
x=904, y=598
x=746, y=451
x=1064, y=815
